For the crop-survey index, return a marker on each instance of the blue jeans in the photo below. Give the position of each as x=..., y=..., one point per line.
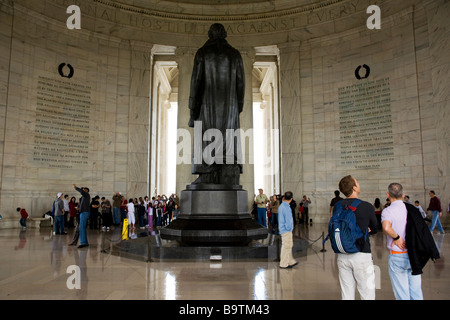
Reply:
x=59, y=224
x=116, y=215
x=275, y=222
x=141, y=221
x=262, y=216
x=123, y=214
x=405, y=285
x=84, y=216
x=158, y=218
x=436, y=221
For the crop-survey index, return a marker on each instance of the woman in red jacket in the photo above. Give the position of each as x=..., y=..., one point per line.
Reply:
x=73, y=211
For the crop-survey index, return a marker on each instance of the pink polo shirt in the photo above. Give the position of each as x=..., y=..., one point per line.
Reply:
x=396, y=214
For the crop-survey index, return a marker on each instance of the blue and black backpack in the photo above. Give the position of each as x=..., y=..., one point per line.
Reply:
x=342, y=228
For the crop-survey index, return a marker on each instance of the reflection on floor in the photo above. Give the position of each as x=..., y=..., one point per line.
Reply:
x=38, y=265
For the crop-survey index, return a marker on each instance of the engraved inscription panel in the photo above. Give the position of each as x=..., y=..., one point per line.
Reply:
x=61, y=135
x=365, y=119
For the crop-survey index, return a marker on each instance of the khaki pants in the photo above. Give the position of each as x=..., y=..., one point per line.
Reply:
x=356, y=272
x=286, y=258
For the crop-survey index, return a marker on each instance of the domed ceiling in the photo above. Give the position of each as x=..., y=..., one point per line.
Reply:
x=219, y=10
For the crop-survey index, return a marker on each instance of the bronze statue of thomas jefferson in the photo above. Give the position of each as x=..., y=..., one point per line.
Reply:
x=214, y=208
x=215, y=102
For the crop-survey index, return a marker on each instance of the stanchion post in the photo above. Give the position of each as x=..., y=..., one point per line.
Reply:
x=323, y=243
x=149, y=243
x=278, y=241
x=103, y=243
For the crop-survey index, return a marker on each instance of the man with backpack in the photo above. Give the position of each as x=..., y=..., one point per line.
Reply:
x=350, y=239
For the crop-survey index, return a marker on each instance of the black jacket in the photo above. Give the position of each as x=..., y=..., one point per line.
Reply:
x=84, y=201
x=419, y=241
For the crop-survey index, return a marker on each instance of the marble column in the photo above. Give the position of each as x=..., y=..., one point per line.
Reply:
x=138, y=120
x=185, y=59
x=292, y=115
x=246, y=120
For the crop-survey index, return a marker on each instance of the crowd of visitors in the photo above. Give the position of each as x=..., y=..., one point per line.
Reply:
x=104, y=213
x=434, y=208
x=265, y=210
x=160, y=210
x=156, y=212
x=401, y=221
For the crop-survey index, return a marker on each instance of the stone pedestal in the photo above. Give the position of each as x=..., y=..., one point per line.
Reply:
x=214, y=215
x=148, y=246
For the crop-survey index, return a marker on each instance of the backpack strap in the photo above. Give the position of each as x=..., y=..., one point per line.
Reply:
x=353, y=207
x=355, y=204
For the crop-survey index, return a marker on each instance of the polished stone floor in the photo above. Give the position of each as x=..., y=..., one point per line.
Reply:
x=38, y=265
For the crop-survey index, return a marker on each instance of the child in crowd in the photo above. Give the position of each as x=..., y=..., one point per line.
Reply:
x=131, y=217
x=23, y=217
x=176, y=211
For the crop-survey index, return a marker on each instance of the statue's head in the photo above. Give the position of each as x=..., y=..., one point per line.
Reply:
x=217, y=31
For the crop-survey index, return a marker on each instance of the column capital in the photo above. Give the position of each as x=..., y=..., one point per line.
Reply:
x=247, y=52
x=286, y=46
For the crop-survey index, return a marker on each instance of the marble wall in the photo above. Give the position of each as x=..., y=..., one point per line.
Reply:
x=374, y=134
x=403, y=130
x=116, y=72
x=320, y=44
